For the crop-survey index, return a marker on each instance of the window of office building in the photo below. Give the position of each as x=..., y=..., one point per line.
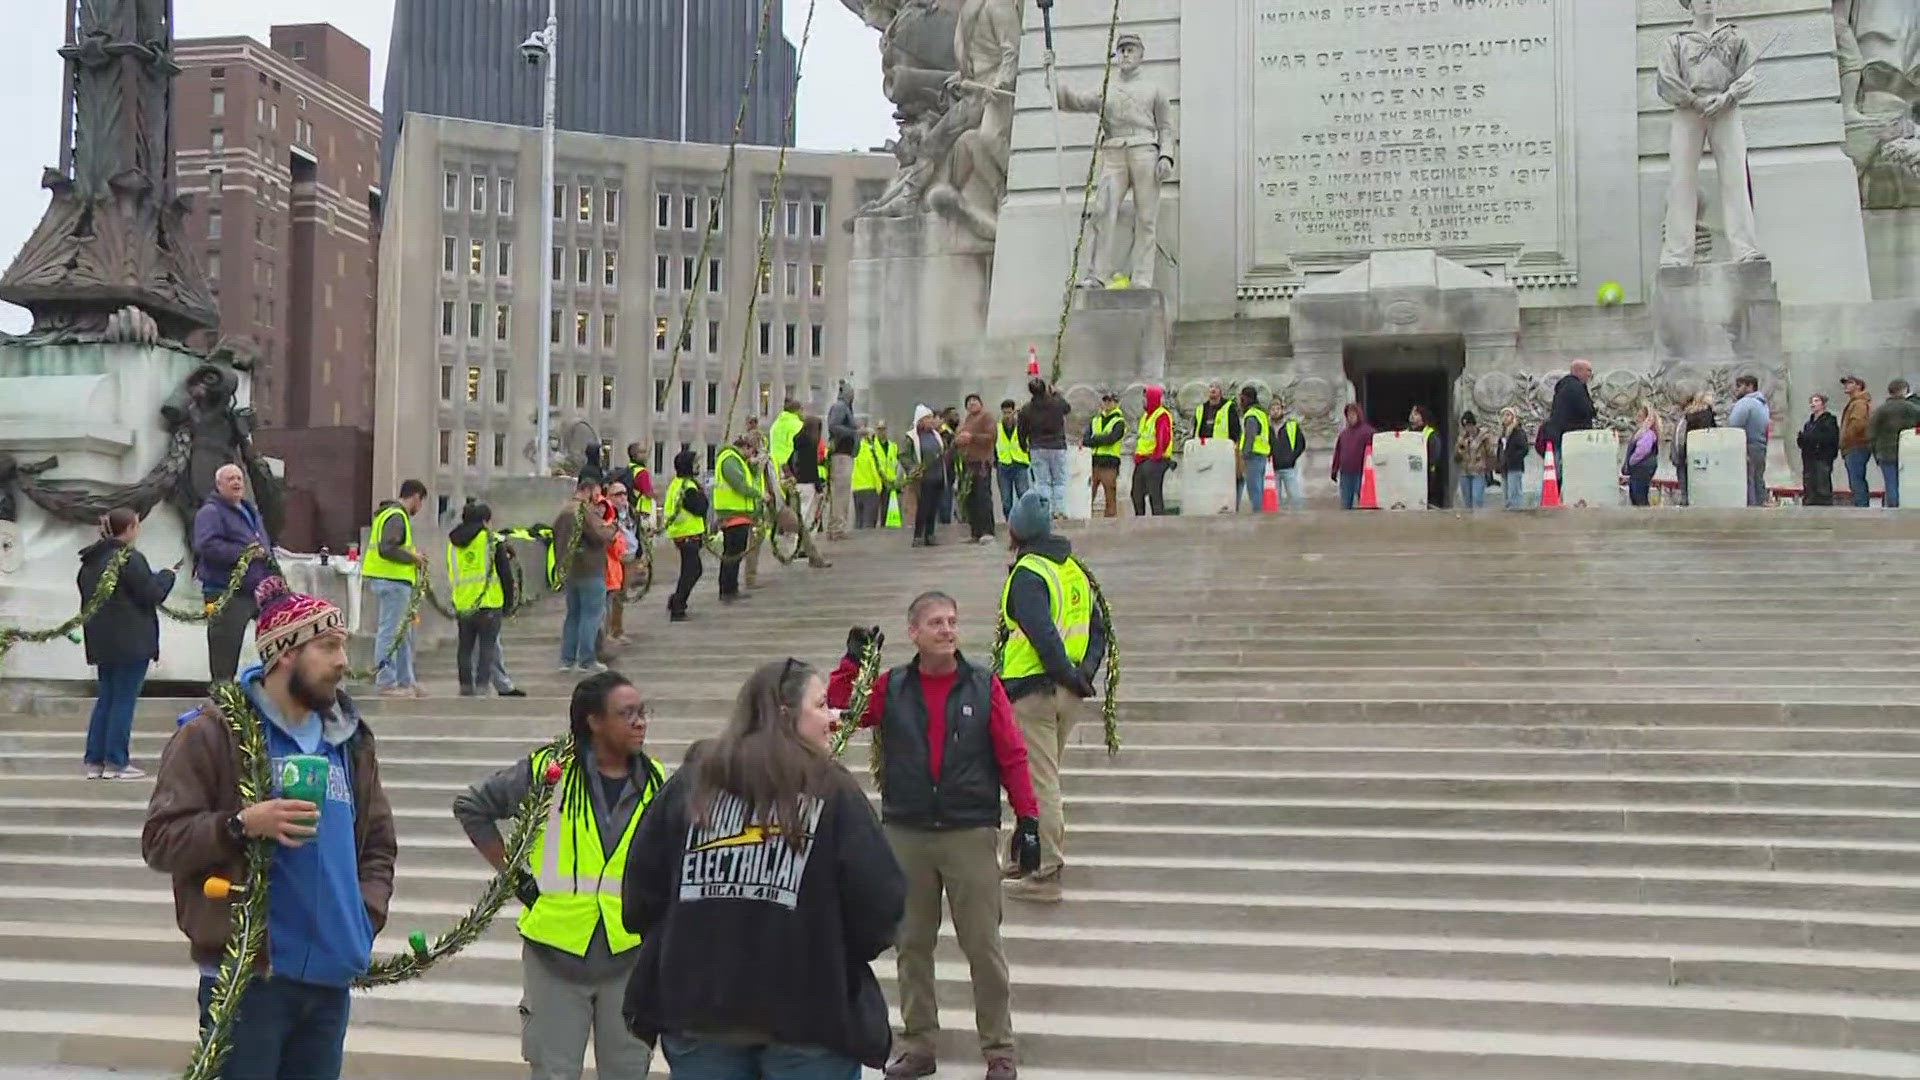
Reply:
x=766, y=397
x=688, y=277
x=473, y=320
x=505, y=201
x=503, y=261
x=610, y=206
x=213, y=225
x=713, y=275
x=815, y=339
x=793, y=218
x=446, y=382
x=479, y=205
x=660, y=332
x=553, y=388
x=476, y=257
x=446, y=318
x=500, y=322
x=713, y=398
x=659, y=457
x=714, y=217
x=662, y=209
x=610, y=268
x=500, y=386
x=559, y=202
x=713, y=335
x=662, y=266
x=793, y=279
x=586, y=202
x=553, y=326
x=579, y=328
x=607, y=330
x=659, y=403
x=449, y=193
x=582, y=263
x=766, y=338
x=579, y=391
x=218, y=104
x=766, y=280
x=215, y=181
x=606, y=391
x=713, y=453
x=473, y=448
x=499, y=449
x=473, y=384
x=819, y=220
x=449, y=253
x=689, y=206
x=766, y=216
x=686, y=396
x=817, y=281
x=446, y=445
x=558, y=259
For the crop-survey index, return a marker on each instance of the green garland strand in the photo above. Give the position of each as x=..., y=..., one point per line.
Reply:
x=102, y=592
x=528, y=819
x=1102, y=610
x=214, y=607
x=421, y=587
x=247, y=920
x=863, y=680
x=1086, y=197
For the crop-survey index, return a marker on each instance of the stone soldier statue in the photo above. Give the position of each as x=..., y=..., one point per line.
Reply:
x=1706, y=71
x=1136, y=155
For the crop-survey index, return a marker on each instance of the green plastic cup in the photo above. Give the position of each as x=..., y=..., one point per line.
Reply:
x=304, y=777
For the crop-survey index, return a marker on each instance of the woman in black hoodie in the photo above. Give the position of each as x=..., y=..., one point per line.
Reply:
x=763, y=889
x=122, y=638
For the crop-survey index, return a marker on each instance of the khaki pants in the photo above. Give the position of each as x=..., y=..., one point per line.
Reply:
x=961, y=864
x=839, y=495
x=558, y=1015
x=1106, y=478
x=1046, y=719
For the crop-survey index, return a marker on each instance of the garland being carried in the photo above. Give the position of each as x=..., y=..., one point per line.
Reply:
x=212, y=608
x=856, y=710
x=109, y=581
x=1102, y=610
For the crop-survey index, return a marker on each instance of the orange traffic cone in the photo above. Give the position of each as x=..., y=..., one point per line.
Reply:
x=1550, y=483
x=1270, y=500
x=1369, y=497
x=1033, y=361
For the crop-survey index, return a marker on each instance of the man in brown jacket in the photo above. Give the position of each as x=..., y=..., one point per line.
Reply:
x=1856, y=446
x=330, y=872
x=975, y=440
x=584, y=577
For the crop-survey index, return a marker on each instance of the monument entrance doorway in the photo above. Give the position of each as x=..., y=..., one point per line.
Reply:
x=1390, y=378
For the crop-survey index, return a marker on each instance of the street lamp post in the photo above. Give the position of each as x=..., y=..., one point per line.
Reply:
x=542, y=48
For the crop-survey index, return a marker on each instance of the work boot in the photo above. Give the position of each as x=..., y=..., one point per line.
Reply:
x=1038, y=889
x=1001, y=1067
x=911, y=1064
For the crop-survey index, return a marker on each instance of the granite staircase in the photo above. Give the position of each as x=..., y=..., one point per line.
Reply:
x=1513, y=797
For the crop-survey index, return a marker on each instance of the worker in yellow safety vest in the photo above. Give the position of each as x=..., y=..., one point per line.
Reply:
x=686, y=524
x=391, y=569
x=1013, y=461
x=640, y=483
x=1054, y=648
x=1217, y=418
x=577, y=954
x=1256, y=445
x=479, y=576
x=737, y=496
x=870, y=478
x=1105, y=431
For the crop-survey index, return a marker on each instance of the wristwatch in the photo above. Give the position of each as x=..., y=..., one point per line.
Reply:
x=236, y=830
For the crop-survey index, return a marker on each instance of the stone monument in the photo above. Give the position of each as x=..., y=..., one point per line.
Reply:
x=102, y=402
x=1706, y=71
x=1136, y=141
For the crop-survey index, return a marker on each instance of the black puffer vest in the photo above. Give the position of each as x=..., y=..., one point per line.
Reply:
x=968, y=794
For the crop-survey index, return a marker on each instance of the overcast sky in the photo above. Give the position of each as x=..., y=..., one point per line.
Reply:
x=841, y=106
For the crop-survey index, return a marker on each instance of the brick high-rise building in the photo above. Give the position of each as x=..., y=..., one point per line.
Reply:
x=281, y=150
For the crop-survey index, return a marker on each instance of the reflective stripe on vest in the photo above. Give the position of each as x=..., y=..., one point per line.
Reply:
x=470, y=575
x=1007, y=448
x=1220, y=418
x=579, y=883
x=1253, y=432
x=1149, y=426
x=725, y=499
x=680, y=523
x=375, y=565
x=1070, y=605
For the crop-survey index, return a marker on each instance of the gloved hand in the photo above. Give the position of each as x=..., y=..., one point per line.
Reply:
x=1025, y=848
x=525, y=888
x=1080, y=685
x=860, y=637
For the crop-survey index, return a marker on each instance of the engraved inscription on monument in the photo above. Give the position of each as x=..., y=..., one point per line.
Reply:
x=1403, y=124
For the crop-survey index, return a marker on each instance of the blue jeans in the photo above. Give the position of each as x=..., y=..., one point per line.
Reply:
x=580, y=633
x=1891, y=471
x=1511, y=484
x=1292, y=489
x=391, y=597
x=1256, y=470
x=1014, y=482
x=1473, y=492
x=1349, y=489
x=694, y=1058
x=286, y=1030
x=1857, y=480
x=1050, y=476
x=110, y=731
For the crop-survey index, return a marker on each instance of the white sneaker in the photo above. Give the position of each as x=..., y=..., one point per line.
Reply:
x=594, y=668
x=95, y=772
x=130, y=772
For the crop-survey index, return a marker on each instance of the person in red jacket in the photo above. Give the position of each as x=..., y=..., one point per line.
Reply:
x=1153, y=454
x=949, y=744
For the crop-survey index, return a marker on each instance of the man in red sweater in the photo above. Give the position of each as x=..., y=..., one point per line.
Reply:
x=949, y=745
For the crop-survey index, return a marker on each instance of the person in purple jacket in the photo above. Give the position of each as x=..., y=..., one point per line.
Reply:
x=1350, y=450
x=223, y=528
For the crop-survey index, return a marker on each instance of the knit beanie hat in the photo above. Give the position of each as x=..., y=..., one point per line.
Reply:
x=289, y=619
x=1032, y=517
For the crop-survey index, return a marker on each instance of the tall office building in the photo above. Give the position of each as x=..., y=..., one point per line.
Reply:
x=620, y=67
x=460, y=287
x=280, y=149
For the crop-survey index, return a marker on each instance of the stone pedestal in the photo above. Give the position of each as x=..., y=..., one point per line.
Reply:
x=918, y=299
x=97, y=407
x=1116, y=338
x=1717, y=468
x=1590, y=475
x=1400, y=470
x=1205, y=476
x=1717, y=313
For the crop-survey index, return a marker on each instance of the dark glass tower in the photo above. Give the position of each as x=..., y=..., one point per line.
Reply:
x=620, y=67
